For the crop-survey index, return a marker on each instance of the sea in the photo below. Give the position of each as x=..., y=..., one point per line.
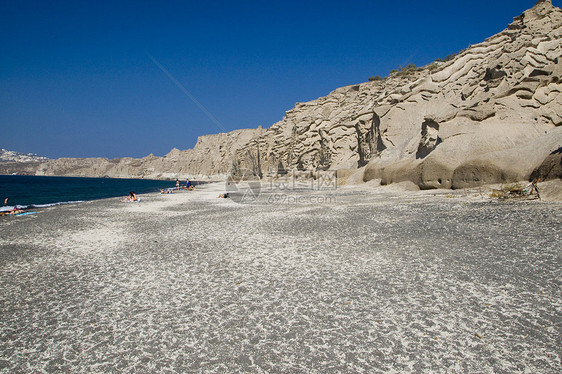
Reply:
x=30, y=192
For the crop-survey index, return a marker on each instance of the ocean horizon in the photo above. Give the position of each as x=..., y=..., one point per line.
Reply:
x=28, y=192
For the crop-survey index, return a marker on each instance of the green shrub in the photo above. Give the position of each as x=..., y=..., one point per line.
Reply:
x=433, y=66
x=404, y=71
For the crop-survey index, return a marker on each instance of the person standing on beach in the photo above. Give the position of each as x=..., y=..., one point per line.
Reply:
x=177, y=184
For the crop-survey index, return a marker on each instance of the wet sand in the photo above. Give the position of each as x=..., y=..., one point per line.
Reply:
x=346, y=281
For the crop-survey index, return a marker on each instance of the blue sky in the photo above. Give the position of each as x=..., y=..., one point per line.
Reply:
x=77, y=78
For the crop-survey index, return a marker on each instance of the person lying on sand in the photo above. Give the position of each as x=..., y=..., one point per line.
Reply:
x=12, y=212
x=132, y=197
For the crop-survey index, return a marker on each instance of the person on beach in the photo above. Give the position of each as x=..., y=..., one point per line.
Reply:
x=6, y=201
x=16, y=210
x=132, y=197
x=188, y=185
x=177, y=184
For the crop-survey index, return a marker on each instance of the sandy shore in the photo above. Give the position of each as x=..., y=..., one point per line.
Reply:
x=346, y=281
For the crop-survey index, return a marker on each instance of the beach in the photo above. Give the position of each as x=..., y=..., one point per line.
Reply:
x=353, y=280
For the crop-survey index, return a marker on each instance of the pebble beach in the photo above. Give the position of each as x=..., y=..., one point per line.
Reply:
x=353, y=280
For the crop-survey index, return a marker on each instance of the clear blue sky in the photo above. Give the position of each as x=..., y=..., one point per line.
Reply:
x=77, y=79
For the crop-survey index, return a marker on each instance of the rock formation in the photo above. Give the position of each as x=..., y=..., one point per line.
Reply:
x=209, y=159
x=492, y=113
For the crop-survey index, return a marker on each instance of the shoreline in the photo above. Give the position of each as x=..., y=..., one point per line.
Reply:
x=551, y=195
x=38, y=192
x=553, y=191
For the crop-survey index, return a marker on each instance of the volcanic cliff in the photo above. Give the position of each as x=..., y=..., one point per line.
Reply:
x=492, y=113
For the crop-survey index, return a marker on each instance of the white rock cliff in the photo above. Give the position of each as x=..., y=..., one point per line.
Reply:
x=491, y=114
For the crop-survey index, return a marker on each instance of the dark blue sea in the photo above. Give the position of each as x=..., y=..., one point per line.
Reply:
x=37, y=192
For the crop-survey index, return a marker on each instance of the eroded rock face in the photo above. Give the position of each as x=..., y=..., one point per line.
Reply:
x=429, y=138
x=491, y=114
x=475, y=114
x=550, y=168
x=209, y=159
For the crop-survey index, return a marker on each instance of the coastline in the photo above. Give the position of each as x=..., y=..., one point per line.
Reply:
x=362, y=280
x=35, y=192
